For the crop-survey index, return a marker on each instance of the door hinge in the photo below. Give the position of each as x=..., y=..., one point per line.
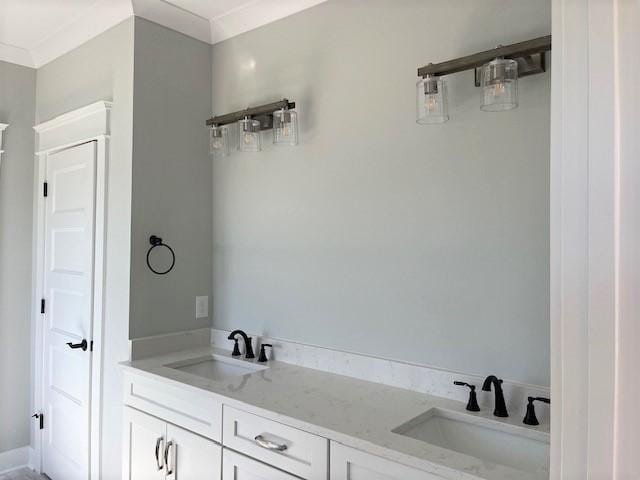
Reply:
x=40, y=417
x=46, y=189
x=42, y=303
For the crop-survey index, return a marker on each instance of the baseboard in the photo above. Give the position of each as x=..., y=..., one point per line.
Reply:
x=14, y=459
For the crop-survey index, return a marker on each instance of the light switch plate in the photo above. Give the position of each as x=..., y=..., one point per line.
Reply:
x=202, y=307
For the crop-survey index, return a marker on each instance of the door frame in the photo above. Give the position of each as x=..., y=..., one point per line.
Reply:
x=86, y=124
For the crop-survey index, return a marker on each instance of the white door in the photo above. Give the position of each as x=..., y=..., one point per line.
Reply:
x=144, y=446
x=191, y=457
x=68, y=292
x=239, y=467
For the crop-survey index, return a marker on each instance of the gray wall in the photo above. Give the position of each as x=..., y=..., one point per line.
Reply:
x=171, y=179
x=422, y=243
x=103, y=69
x=17, y=107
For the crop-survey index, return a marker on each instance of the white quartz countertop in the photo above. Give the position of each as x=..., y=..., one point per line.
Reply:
x=353, y=412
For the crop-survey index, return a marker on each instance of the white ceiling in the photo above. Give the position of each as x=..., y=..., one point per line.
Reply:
x=34, y=32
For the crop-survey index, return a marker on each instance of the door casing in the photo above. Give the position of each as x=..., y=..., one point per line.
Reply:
x=90, y=123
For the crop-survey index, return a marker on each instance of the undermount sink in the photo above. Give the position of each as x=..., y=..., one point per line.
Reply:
x=216, y=367
x=504, y=444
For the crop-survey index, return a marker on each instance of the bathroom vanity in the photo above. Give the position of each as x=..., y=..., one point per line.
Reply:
x=201, y=413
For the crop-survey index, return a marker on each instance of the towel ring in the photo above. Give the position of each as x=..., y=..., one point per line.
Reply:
x=157, y=242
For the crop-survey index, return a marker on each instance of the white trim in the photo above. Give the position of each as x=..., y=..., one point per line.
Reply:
x=174, y=17
x=585, y=202
x=255, y=14
x=102, y=16
x=56, y=135
x=14, y=459
x=17, y=55
x=72, y=128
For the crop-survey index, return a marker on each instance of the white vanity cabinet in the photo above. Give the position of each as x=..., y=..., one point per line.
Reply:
x=351, y=464
x=157, y=450
x=239, y=467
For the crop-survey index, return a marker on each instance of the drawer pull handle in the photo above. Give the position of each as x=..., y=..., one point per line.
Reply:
x=158, y=458
x=166, y=457
x=269, y=445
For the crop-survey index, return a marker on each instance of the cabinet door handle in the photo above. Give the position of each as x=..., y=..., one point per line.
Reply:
x=269, y=445
x=158, y=443
x=166, y=457
x=83, y=345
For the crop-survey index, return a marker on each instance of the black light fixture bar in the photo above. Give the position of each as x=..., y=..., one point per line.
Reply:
x=514, y=51
x=262, y=113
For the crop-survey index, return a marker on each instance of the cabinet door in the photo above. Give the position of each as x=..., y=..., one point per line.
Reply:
x=144, y=443
x=238, y=467
x=350, y=464
x=190, y=456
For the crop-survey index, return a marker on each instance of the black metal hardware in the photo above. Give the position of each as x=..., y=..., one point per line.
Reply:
x=236, y=348
x=83, y=345
x=248, y=348
x=262, y=357
x=500, y=409
x=155, y=241
x=42, y=303
x=472, y=404
x=530, y=417
x=263, y=113
x=514, y=51
x=40, y=417
x=46, y=189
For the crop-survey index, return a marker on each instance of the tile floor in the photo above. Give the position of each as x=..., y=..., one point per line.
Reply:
x=22, y=474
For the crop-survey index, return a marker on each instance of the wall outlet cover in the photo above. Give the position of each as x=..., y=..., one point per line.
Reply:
x=202, y=307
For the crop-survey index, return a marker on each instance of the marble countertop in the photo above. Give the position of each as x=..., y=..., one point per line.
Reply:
x=353, y=412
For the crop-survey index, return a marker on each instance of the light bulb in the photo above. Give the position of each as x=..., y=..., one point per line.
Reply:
x=431, y=103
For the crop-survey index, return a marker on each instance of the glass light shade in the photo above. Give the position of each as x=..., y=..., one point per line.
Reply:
x=219, y=141
x=431, y=101
x=249, y=135
x=500, y=85
x=285, y=128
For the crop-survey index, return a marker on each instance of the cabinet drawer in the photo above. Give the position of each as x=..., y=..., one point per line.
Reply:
x=350, y=464
x=194, y=411
x=302, y=453
x=239, y=467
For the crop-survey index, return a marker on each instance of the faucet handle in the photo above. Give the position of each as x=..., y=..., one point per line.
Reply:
x=236, y=348
x=472, y=404
x=530, y=417
x=263, y=355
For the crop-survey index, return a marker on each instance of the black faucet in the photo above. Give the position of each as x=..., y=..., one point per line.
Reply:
x=530, y=418
x=472, y=404
x=248, y=349
x=500, y=409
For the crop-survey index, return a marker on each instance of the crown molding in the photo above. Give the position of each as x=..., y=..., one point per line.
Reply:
x=100, y=18
x=174, y=17
x=106, y=14
x=17, y=55
x=254, y=15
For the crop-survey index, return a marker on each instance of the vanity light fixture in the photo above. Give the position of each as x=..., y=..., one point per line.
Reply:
x=3, y=126
x=496, y=71
x=285, y=127
x=219, y=140
x=277, y=115
x=431, y=100
x=249, y=135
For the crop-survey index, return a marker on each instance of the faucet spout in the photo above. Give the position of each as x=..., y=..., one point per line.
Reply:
x=248, y=348
x=500, y=409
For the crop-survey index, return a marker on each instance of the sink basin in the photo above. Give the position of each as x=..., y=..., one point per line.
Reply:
x=509, y=445
x=216, y=367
